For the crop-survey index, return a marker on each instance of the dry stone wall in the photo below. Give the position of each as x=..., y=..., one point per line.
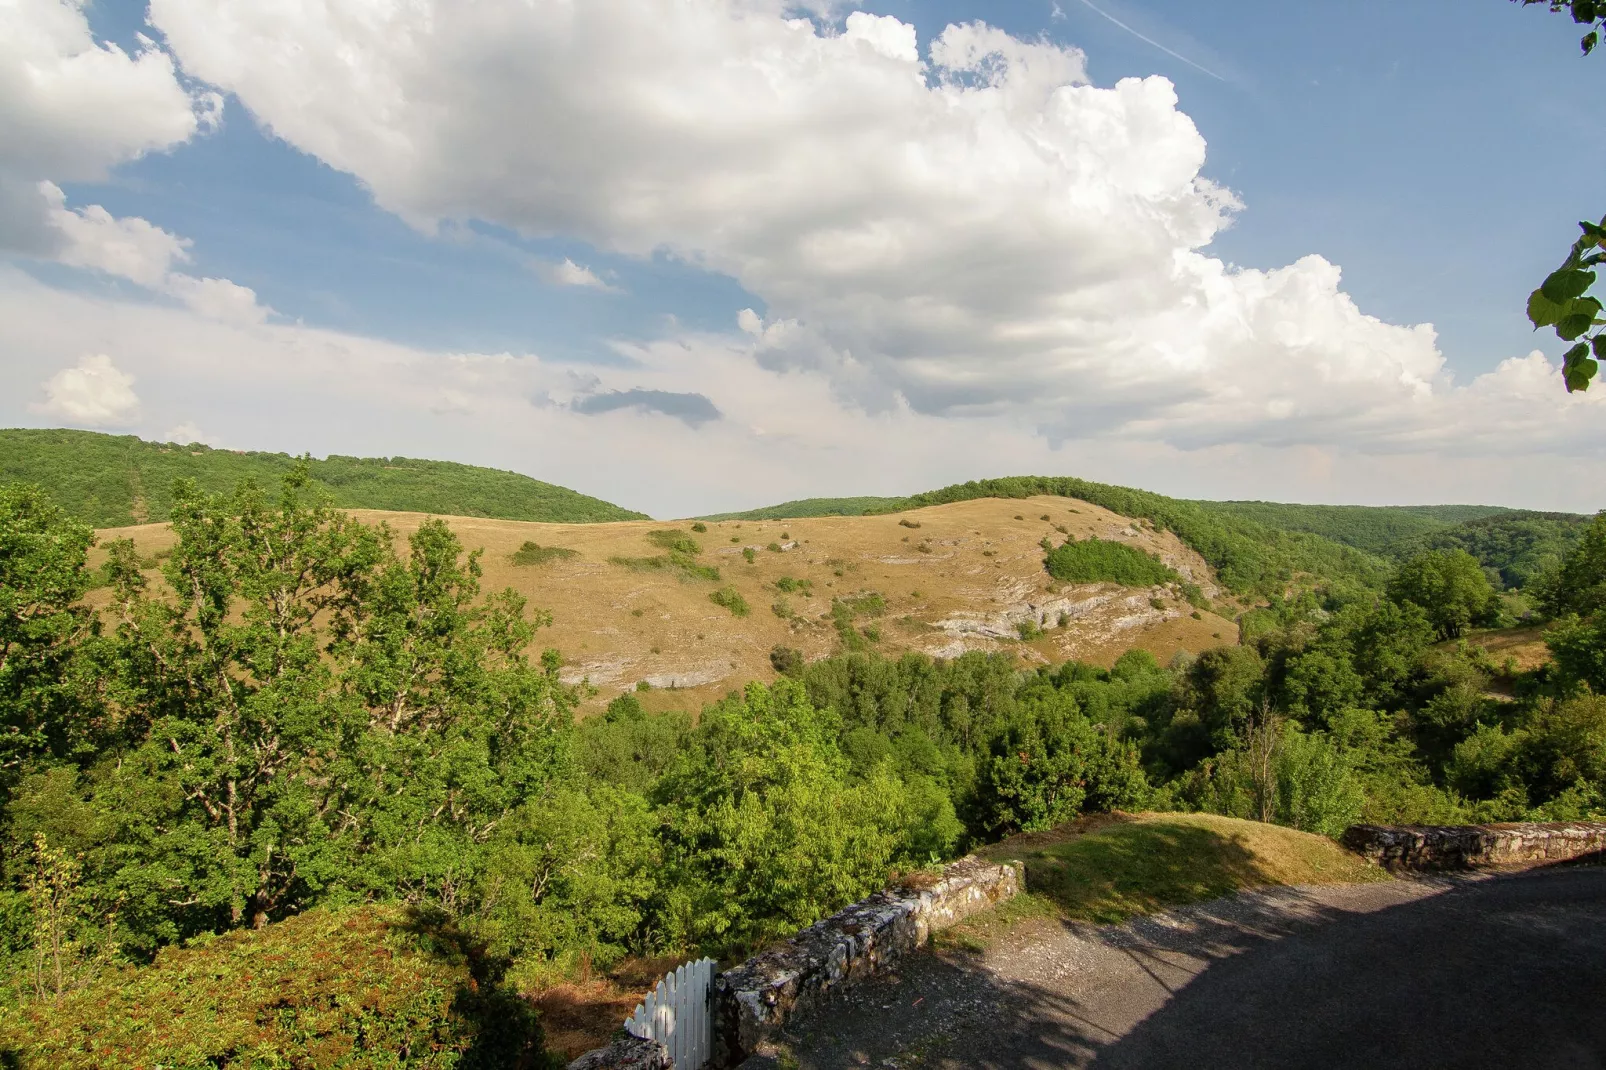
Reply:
x=626, y=1053
x=754, y=1000
x=1421, y=847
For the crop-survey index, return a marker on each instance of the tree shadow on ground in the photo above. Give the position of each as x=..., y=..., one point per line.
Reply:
x=1501, y=971
x=506, y=1033
x=1505, y=971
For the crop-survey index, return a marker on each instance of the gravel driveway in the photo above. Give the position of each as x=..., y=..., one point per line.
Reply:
x=1496, y=971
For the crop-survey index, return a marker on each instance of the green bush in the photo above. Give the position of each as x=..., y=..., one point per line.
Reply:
x=1101, y=561
x=364, y=989
x=532, y=553
x=730, y=598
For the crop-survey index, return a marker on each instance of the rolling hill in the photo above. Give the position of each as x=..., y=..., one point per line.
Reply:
x=698, y=612
x=114, y=480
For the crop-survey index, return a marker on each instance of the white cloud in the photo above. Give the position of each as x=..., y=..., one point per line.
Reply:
x=569, y=273
x=630, y=432
x=185, y=433
x=93, y=392
x=138, y=250
x=970, y=231
x=72, y=108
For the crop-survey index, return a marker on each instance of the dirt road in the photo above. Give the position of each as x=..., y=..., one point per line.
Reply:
x=1498, y=971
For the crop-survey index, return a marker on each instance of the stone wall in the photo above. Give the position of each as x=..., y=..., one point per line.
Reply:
x=754, y=1000
x=1421, y=847
x=626, y=1053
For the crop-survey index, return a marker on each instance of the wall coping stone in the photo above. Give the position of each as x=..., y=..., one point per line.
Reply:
x=753, y=1001
x=1428, y=847
x=629, y=1052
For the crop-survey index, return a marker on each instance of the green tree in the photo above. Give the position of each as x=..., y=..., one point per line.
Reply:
x=44, y=693
x=1579, y=586
x=764, y=832
x=1448, y=585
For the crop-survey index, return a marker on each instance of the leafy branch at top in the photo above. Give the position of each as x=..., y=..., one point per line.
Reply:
x=1560, y=301
x=1591, y=13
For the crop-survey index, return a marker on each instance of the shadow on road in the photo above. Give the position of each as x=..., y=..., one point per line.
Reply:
x=1504, y=972
x=1508, y=971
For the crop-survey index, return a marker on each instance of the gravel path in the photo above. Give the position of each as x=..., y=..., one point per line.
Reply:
x=1468, y=972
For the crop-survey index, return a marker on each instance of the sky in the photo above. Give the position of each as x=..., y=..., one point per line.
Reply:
x=702, y=255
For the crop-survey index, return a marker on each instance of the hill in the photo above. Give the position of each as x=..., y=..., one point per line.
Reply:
x=1249, y=557
x=115, y=480
x=1520, y=546
x=1376, y=529
x=695, y=611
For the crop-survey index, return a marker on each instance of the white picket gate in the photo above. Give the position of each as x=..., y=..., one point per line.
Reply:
x=678, y=1013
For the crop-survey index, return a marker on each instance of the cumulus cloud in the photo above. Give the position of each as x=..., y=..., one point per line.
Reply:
x=969, y=229
x=569, y=273
x=781, y=434
x=138, y=250
x=71, y=108
x=93, y=392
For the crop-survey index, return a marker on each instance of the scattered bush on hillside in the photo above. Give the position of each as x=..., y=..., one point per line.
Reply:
x=774, y=547
x=700, y=527
x=535, y=554
x=730, y=598
x=907, y=523
x=786, y=660
x=1104, y=561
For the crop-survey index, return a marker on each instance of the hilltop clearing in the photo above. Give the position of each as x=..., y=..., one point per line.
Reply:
x=701, y=611
x=1264, y=548
x=1248, y=557
x=108, y=480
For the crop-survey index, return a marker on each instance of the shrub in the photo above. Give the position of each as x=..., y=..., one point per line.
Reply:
x=675, y=541
x=749, y=555
x=774, y=547
x=535, y=554
x=1103, y=561
x=786, y=660
x=1156, y=603
x=355, y=989
x=781, y=608
x=731, y=599
x=700, y=527
x=906, y=523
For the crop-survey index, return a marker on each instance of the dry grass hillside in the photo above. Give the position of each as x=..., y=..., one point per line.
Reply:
x=628, y=608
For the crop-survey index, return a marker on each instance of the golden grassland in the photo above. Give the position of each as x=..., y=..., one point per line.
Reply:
x=950, y=577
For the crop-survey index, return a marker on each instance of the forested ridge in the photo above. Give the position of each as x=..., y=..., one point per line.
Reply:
x=116, y=480
x=316, y=775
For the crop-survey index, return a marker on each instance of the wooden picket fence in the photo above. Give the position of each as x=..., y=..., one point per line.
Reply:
x=679, y=1014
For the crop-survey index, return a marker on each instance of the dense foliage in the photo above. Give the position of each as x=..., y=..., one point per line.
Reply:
x=1104, y=561
x=114, y=480
x=1518, y=548
x=1374, y=529
x=301, y=726
x=365, y=989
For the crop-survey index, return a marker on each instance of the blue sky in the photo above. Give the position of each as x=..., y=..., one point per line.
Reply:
x=1428, y=153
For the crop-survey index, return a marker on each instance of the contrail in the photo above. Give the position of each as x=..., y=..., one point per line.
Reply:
x=1151, y=41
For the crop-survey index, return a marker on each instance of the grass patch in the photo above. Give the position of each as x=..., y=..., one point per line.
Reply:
x=675, y=541
x=677, y=563
x=533, y=553
x=1104, y=561
x=681, y=558
x=1107, y=871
